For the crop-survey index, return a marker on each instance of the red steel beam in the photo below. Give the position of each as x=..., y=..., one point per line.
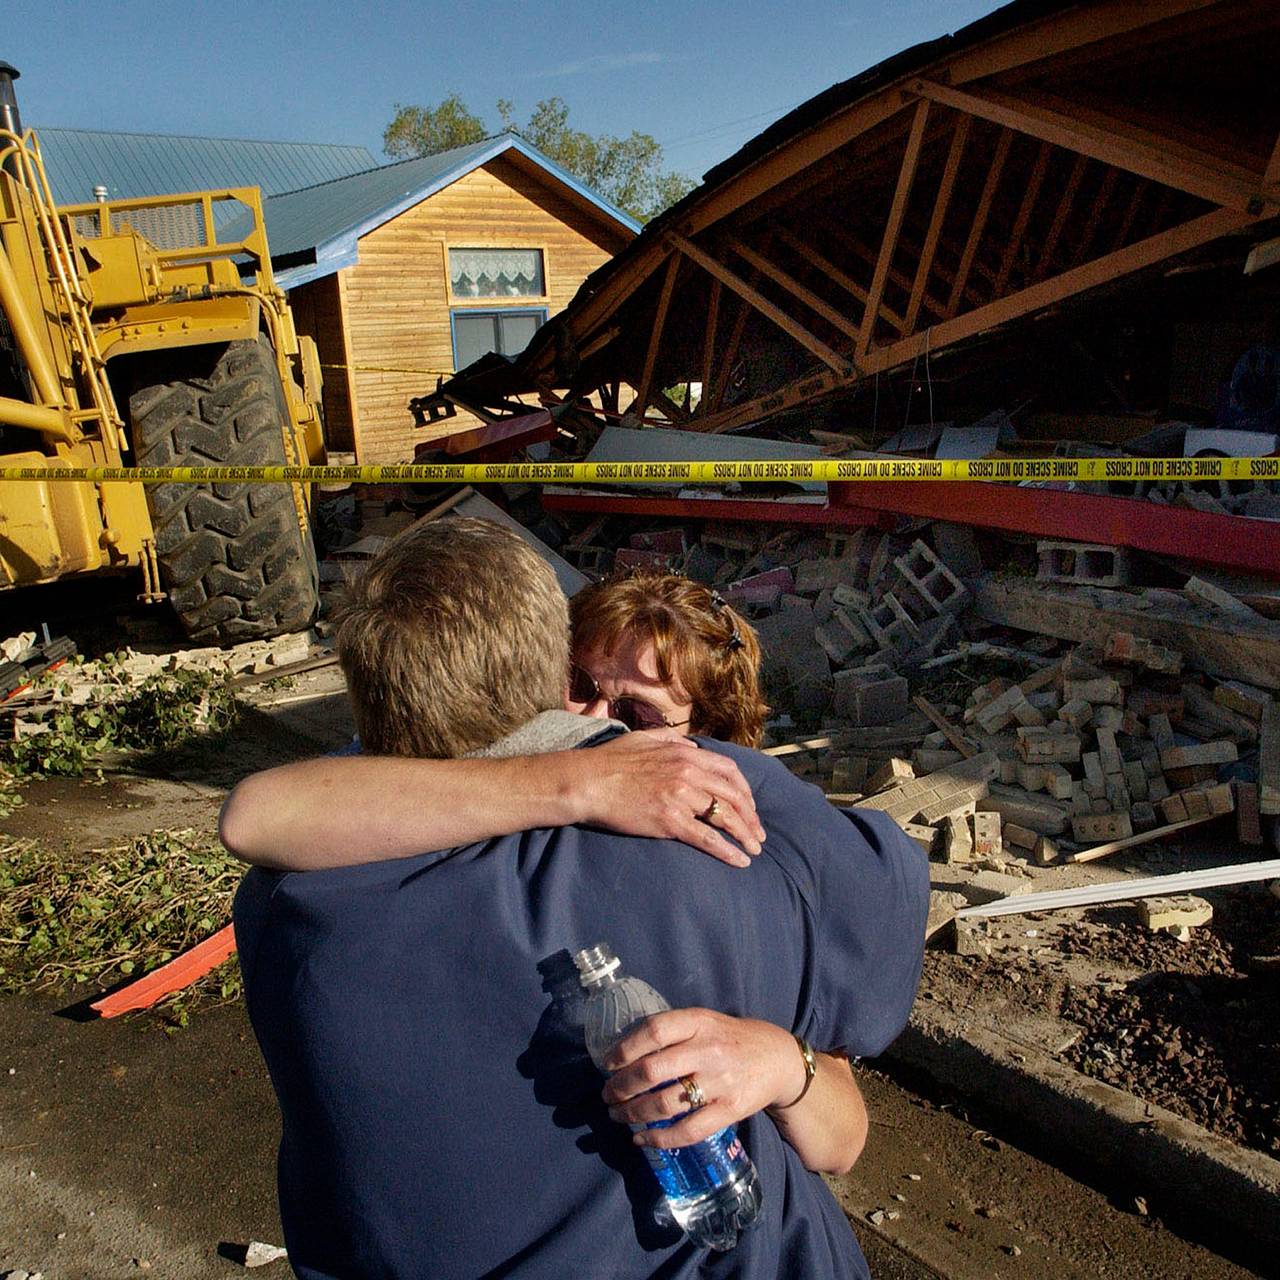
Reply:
x=749, y=510
x=1226, y=542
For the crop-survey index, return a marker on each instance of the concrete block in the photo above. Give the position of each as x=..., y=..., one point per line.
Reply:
x=836, y=642
x=1103, y=691
x=932, y=581
x=1157, y=789
x=1248, y=815
x=1206, y=753
x=928, y=760
x=1083, y=563
x=991, y=886
x=1183, y=911
x=925, y=837
x=1161, y=733
x=1019, y=837
x=1045, y=852
x=1146, y=703
x=1048, y=817
x=866, y=703
x=1172, y=809
x=1108, y=718
x=1101, y=828
x=1149, y=754
x=1130, y=650
x=849, y=773
x=1057, y=781
x=889, y=774
x=997, y=714
x=1081, y=800
x=1042, y=746
x=1243, y=698
x=957, y=840
x=1135, y=779
x=1031, y=777
x=988, y=839
x=848, y=597
x=1047, y=700
x=815, y=576
x=1143, y=816
x=1221, y=799
x=1077, y=713
x=1192, y=775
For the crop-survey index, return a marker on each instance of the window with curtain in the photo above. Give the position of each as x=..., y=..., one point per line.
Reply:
x=476, y=333
x=496, y=273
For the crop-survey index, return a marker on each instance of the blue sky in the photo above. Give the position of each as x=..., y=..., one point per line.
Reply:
x=702, y=79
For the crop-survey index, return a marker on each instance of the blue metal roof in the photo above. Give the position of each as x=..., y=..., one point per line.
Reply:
x=154, y=164
x=328, y=220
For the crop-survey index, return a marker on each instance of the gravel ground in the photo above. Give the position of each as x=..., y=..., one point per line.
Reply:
x=1190, y=1026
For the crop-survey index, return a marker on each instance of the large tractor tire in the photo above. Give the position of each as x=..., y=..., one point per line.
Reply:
x=233, y=558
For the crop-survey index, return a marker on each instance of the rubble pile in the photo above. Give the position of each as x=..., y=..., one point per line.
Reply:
x=1103, y=744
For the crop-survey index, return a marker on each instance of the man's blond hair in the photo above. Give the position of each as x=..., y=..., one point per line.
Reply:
x=456, y=634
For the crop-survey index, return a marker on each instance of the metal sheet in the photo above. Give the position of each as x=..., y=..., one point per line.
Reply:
x=475, y=504
x=656, y=444
x=1123, y=891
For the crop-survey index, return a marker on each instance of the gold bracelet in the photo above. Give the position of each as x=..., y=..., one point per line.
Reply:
x=810, y=1070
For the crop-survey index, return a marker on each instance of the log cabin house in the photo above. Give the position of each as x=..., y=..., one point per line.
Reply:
x=407, y=272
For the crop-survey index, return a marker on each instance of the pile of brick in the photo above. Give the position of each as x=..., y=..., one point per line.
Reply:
x=1093, y=752
x=843, y=619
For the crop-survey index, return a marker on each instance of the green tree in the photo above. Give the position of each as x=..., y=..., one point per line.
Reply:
x=625, y=171
x=422, y=131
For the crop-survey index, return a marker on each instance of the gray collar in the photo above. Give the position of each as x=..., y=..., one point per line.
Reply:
x=547, y=731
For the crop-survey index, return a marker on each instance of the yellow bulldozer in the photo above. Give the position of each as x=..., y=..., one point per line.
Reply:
x=150, y=332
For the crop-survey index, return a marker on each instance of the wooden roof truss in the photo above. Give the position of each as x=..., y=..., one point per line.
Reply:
x=1017, y=174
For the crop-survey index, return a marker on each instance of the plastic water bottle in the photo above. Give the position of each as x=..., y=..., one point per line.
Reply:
x=712, y=1188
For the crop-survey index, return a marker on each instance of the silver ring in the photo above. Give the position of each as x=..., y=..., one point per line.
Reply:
x=693, y=1093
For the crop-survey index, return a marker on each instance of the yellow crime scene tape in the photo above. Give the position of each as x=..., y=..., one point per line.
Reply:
x=1001, y=470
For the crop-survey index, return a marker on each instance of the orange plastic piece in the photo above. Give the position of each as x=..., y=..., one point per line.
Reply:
x=180, y=972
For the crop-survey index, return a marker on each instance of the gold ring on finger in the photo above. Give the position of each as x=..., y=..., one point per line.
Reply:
x=693, y=1093
x=709, y=813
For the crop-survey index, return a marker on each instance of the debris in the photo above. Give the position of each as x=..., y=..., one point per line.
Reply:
x=259, y=1255
x=1155, y=886
x=1186, y=911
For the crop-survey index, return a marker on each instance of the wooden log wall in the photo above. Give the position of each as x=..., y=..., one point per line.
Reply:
x=396, y=302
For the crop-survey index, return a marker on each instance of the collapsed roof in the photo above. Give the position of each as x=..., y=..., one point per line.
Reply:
x=1034, y=158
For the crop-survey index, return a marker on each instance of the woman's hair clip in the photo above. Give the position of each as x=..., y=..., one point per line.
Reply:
x=735, y=641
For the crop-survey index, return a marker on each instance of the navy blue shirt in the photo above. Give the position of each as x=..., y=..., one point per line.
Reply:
x=422, y=1028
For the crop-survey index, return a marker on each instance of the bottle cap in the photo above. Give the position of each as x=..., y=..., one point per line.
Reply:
x=595, y=963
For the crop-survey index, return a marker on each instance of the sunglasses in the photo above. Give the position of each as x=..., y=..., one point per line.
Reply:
x=635, y=713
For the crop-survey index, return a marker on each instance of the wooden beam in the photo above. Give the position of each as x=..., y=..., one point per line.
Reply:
x=797, y=332
x=1144, y=837
x=1058, y=33
x=709, y=342
x=906, y=176
x=1029, y=197
x=979, y=223
x=940, y=205
x=1134, y=257
x=1144, y=253
x=1106, y=188
x=1119, y=145
x=791, y=158
x=1141, y=187
x=793, y=287
x=837, y=276
x=1050, y=246
x=655, y=334
x=730, y=354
